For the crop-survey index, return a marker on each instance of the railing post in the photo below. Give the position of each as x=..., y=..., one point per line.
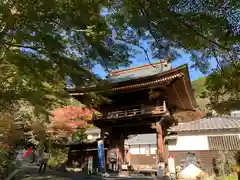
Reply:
x=164, y=106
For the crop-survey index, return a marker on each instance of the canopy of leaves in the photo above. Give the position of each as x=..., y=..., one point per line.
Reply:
x=220, y=90
x=200, y=93
x=42, y=42
x=199, y=86
x=200, y=27
x=223, y=88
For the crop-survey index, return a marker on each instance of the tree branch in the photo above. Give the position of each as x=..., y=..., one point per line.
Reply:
x=217, y=60
x=189, y=27
x=202, y=36
x=146, y=54
x=38, y=49
x=149, y=23
x=142, y=48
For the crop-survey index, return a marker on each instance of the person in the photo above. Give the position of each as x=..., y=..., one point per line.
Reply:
x=160, y=171
x=44, y=157
x=33, y=155
x=27, y=154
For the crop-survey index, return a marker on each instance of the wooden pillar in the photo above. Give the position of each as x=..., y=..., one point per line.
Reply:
x=160, y=150
x=160, y=143
x=102, y=134
x=121, y=151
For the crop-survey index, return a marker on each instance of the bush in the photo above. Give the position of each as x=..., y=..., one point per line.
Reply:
x=58, y=157
x=7, y=162
x=229, y=178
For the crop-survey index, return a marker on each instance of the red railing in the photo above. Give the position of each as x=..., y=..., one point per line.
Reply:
x=146, y=110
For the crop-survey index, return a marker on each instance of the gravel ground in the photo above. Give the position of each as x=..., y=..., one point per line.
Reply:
x=31, y=173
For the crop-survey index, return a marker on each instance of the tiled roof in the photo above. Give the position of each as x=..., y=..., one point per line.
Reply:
x=139, y=72
x=142, y=139
x=214, y=123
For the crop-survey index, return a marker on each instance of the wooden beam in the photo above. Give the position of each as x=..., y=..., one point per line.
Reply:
x=134, y=130
x=125, y=122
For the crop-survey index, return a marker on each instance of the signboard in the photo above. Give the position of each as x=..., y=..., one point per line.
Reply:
x=90, y=165
x=101, y=155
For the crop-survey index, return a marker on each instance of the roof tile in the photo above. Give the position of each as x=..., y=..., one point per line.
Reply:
x=142, y=71
x=214, y=123
x=142, y=139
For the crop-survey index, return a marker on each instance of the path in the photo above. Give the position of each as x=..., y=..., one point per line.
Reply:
x=31, y=173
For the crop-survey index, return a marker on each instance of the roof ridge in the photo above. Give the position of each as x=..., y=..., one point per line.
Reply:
x=163, y=62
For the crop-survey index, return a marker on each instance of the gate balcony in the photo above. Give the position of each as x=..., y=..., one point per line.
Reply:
x=142, y=111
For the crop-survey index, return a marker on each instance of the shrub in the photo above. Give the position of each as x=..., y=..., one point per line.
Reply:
x=229, y=178
x=58, y=157
x=7, y=163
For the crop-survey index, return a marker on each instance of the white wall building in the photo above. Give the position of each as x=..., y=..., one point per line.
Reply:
x=205, y=138
x=142, y=150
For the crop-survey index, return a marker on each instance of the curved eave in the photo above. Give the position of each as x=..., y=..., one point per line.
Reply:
x=133, y=83
x=180, y=72
x=148, y=83
x=188, y=85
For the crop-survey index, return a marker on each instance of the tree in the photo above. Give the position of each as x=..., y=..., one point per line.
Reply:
x=69, y=121
x=201, y=93
x=42, y=42
x=199, y=86
x=201, y=27
x=223, y=88
x=223, y=163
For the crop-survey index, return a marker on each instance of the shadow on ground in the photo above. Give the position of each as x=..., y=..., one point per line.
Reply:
x=41, y=177
x=31, y=173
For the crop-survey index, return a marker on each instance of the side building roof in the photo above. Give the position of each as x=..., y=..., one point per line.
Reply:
x=142, y=139
x=214, y=123
x=93, y=131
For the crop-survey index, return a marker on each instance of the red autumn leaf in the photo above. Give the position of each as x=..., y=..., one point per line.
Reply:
x=71, y=117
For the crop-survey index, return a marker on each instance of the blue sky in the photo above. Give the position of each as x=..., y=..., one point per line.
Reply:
x=140, y=60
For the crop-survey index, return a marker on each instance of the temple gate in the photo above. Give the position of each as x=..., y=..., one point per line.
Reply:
x=144, y=99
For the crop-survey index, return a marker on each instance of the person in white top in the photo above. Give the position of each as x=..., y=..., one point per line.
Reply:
x=44, y=157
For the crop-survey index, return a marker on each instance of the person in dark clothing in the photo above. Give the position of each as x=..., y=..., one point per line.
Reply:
x=43, y=161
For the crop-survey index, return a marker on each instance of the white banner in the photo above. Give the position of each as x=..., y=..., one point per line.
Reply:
x=171, y=164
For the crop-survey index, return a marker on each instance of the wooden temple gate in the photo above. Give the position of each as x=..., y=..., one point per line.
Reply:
x=143, y=100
